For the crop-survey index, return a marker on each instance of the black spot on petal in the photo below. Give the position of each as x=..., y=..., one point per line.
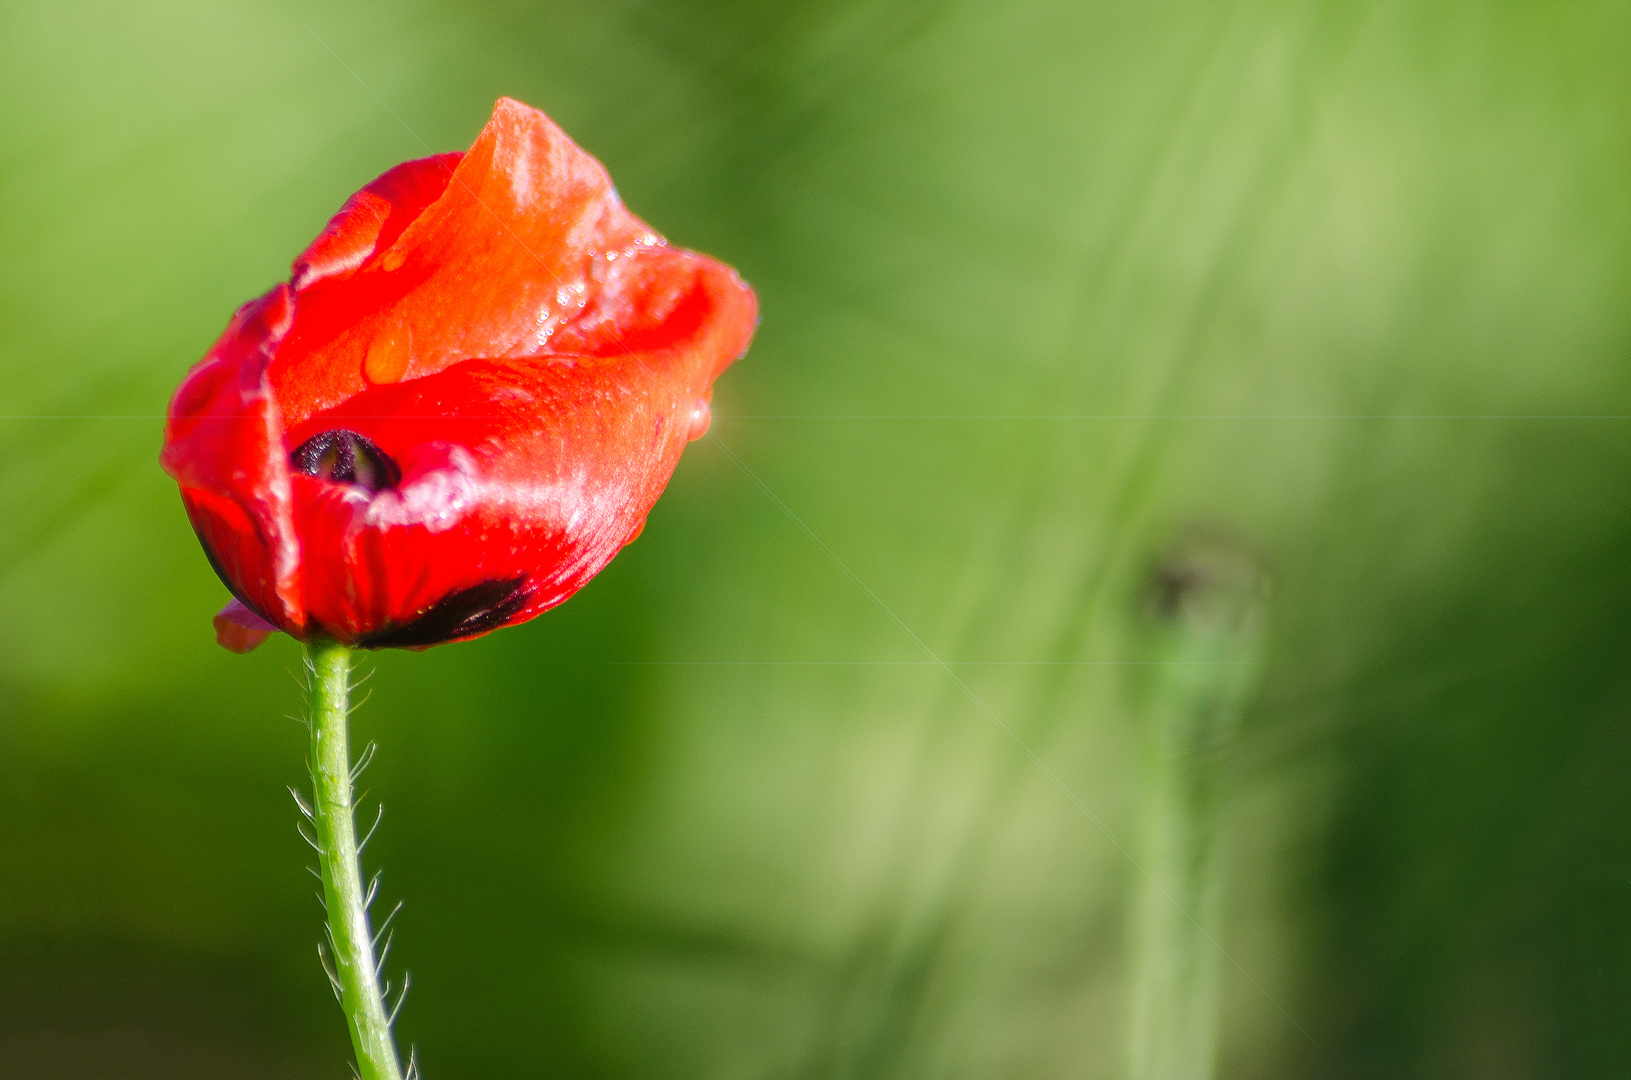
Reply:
x=459, y=614
x=346, y=458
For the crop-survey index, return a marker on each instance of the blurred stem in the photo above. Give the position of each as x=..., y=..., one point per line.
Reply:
x=1205, y=648
x=355, y=972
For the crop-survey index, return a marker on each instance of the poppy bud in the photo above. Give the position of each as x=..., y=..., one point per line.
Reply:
x=462, y=404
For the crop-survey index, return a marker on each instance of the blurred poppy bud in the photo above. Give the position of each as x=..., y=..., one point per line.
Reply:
x=462, y=404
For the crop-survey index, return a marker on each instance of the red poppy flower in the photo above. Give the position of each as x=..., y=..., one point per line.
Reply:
x=461, y=405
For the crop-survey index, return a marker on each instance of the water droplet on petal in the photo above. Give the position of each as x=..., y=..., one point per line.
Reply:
x=699, y=420
x=387, y=359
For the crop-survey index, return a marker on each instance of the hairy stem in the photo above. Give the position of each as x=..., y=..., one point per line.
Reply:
x=355, y=971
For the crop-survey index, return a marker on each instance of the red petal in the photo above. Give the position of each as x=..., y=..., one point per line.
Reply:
x=537, y=469
x=372, y=219
x=500, y=259
x=239, y=630
x=223, y=443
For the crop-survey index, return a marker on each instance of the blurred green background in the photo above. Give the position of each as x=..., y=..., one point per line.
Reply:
x=1050, y=290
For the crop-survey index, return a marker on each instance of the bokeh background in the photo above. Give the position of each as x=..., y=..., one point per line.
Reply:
x=1055, y=295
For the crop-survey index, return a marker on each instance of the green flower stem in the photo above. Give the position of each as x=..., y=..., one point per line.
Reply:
x=1205, y=651
x=354, y=970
